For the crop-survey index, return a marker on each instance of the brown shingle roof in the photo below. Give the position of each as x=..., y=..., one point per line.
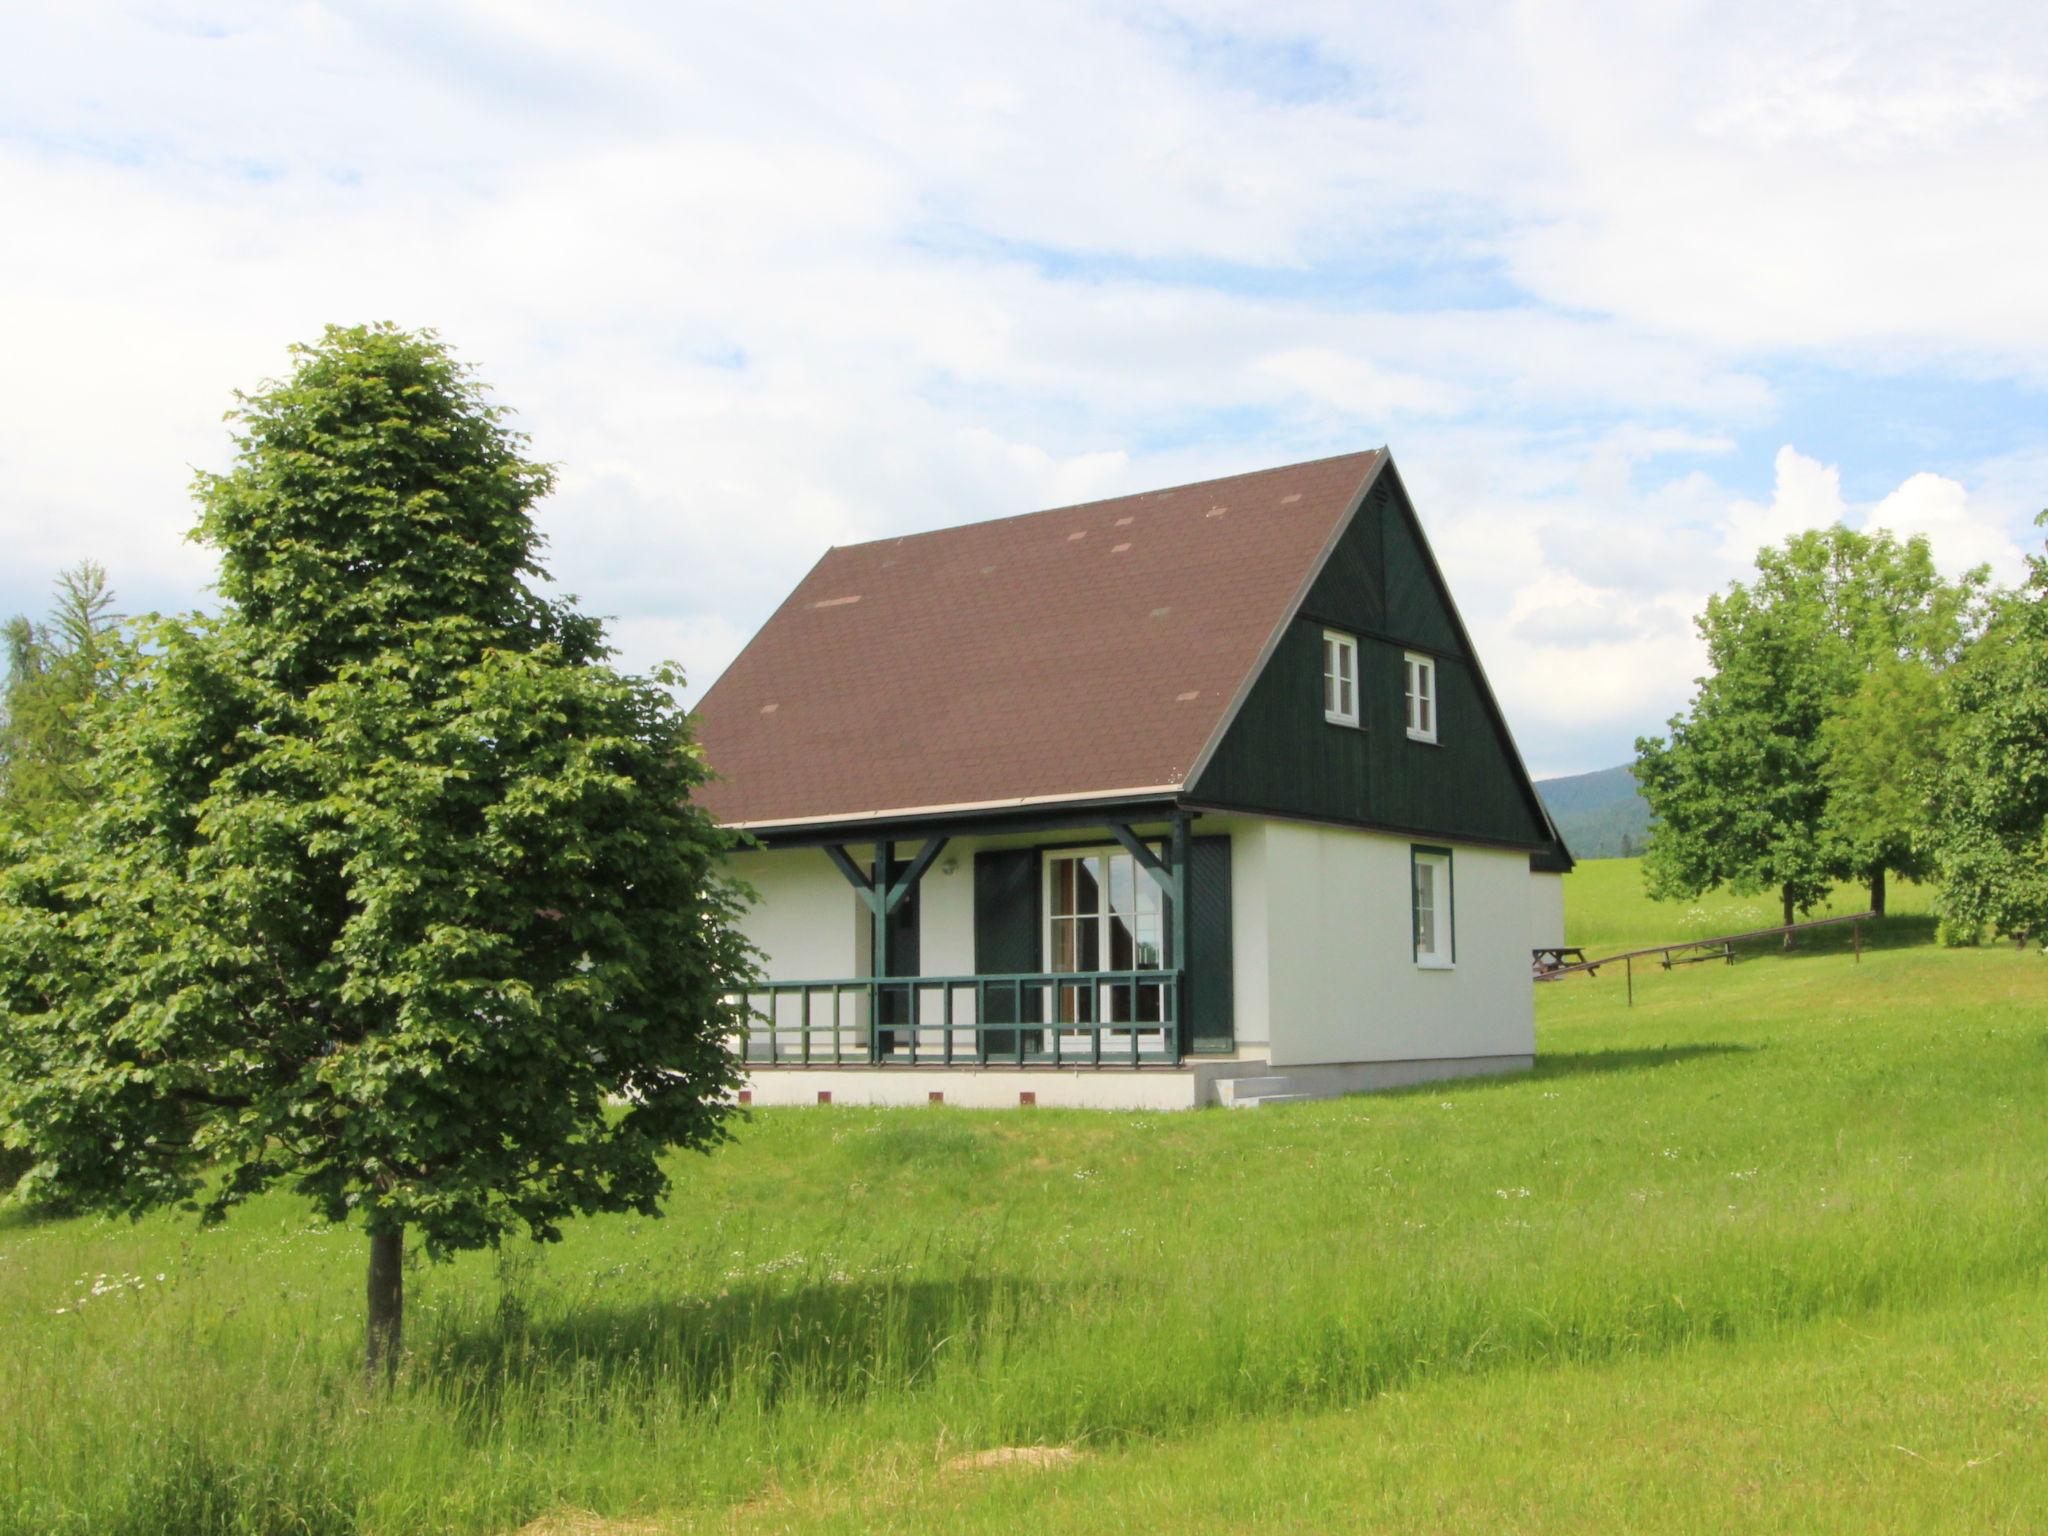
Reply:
x=1086, y=651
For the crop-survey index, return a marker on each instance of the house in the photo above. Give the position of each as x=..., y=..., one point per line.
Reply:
x=1188, y=796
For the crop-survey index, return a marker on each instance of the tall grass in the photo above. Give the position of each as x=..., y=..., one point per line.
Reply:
x=1746, y=1151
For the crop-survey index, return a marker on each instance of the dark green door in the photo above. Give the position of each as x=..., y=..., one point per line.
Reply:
x=1006, y=941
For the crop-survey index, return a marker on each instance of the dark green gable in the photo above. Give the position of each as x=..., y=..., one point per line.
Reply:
x=1280, y=756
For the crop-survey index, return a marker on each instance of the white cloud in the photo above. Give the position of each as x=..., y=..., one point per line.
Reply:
x=1959, y=533
x=1355, y=386
x=1807, y=494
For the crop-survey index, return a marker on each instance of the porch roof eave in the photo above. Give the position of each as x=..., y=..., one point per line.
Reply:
x=1049, y=813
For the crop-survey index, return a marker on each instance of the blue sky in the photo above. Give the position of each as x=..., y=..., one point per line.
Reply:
x=1629, y=290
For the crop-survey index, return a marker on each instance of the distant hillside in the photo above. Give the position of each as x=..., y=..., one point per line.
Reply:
x=1595, y=811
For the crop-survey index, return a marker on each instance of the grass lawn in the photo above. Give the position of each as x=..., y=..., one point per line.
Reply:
x=1768, y=1250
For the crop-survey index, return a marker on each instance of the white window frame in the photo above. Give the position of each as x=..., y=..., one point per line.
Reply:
x=1419, y=695
x=1443, y=953
x=1340, y=677
x=1141, y=877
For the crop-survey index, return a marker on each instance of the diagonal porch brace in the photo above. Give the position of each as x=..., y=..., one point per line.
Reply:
x=862, y=886
x=1147, y=860
x=902, y=888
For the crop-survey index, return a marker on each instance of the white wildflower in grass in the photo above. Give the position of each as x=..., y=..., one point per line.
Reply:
x=1084, y=1173
x=1512, y=1194
x=1671, y=1152
x=1744, y=1173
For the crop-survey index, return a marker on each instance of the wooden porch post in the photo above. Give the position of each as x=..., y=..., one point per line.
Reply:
x=879, y=960
x=882, y=898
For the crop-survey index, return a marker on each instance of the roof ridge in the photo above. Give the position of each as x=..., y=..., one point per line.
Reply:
x=1103, y=501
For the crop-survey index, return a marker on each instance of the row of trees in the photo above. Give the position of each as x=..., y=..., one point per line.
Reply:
x=379, y=884
x=1863, y=717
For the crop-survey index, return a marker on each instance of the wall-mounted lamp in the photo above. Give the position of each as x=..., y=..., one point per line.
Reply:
x=950, y=867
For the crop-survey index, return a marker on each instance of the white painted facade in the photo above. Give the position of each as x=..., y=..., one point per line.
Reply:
x=1326, y=980
x=1341, y=982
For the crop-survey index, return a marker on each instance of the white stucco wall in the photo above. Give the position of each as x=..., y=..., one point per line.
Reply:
x=807, y=923
x=1250, y=930
x=1546, y=910
x=1341, y=979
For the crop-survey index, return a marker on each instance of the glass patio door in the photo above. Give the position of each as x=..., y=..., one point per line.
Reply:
x=1104, y=914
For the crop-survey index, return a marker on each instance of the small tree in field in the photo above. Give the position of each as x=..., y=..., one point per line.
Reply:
x=391, y=892
x=1880, y=754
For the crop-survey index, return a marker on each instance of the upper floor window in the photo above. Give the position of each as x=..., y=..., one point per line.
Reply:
x=1340, y=678
x=1421, y=697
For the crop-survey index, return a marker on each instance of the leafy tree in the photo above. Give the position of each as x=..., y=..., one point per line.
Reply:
x=56, y=671
x=1879, y=757
x=1990, y=829
x=1739, y=791
x=392, y=893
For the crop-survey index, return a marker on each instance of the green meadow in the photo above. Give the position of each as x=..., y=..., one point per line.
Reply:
x=1767, y=1250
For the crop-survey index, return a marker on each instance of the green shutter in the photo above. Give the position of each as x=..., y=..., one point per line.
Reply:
x=1006, y=925
x=1209, y=1007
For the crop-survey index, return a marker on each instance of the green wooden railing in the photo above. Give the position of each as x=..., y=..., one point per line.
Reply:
x=1055, y=1019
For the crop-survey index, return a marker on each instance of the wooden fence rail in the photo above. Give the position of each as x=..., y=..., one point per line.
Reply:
x=1720, y=947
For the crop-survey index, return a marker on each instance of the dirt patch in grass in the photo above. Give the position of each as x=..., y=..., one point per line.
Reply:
x=580, y=1522
x=1014, y=1456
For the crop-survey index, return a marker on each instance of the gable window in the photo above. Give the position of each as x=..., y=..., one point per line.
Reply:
x=1340, y=678
x=1436, y=944
x=1421, y=697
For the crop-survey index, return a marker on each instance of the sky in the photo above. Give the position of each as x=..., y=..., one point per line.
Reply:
x=1630, y=289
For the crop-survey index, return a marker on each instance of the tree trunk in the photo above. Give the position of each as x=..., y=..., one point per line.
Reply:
x=1785, y=893
x=387, y=1304
x=1877, y=891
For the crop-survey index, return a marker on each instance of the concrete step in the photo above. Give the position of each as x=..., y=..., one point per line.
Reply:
x=1231, y=1089
x=1255, y=1100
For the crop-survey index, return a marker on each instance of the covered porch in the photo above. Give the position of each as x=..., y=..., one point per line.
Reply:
x=1084, y=930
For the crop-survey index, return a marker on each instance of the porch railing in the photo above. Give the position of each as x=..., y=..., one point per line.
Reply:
x=1056, y=1019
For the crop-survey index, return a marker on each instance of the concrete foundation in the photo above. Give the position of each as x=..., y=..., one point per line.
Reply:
x=1142, y=1088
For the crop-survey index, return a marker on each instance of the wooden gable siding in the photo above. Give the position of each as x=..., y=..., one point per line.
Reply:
x=1280, y=756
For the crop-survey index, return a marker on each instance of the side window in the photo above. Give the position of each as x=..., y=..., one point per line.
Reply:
x=1340, y=678
x=1434, y=921
x=1421, y=697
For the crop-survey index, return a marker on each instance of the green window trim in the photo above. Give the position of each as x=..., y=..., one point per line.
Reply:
x=1437, y=856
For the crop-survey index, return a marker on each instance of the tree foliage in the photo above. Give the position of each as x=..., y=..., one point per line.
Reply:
x=392, y=891
x=1990, y=829
x=1740, y=789
x=1880, y=753
x=57, y=671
